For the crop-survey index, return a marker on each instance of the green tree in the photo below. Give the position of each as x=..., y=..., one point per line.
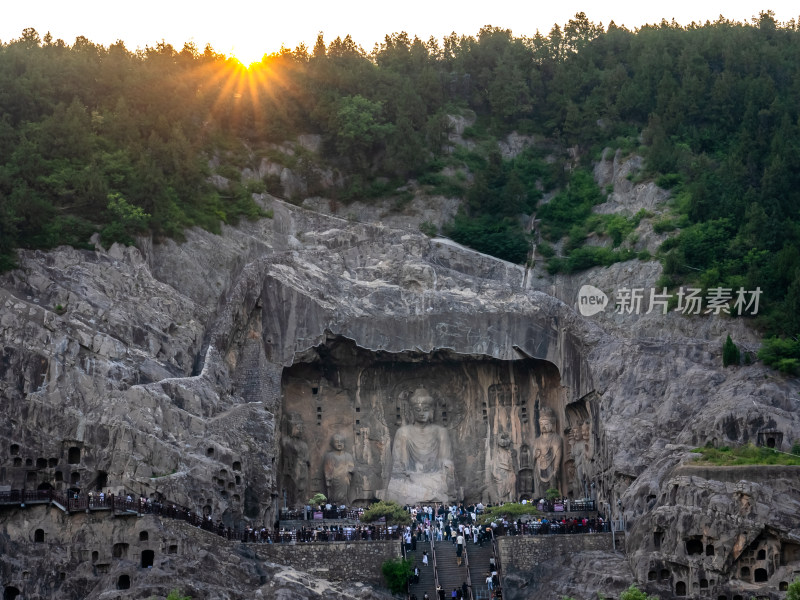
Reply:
x=730, y=353
x=793, y=593
x=634, y=593
x=391, y=510
x=396, y=572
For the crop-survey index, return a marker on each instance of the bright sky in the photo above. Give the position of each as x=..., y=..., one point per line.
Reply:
x=248, y=29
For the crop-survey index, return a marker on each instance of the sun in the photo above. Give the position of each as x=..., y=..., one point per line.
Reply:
x=247, y=53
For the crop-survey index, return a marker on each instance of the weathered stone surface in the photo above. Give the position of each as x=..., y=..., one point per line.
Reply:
x=168, y=370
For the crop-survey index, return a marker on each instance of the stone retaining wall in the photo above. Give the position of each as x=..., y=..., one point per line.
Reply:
x=525, y=552
x=335, y=561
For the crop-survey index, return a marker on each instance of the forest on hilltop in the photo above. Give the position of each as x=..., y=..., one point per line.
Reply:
x=120, y=142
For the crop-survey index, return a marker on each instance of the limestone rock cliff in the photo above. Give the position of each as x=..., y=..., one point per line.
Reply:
x=164, y=371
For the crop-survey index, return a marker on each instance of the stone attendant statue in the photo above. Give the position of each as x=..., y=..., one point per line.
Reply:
x=547, y=453
x=422, y=458
x=503, y=469
x=295, y=459
x=338, y=467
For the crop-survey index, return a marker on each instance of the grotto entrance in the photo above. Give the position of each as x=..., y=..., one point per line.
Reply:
x=345, y=408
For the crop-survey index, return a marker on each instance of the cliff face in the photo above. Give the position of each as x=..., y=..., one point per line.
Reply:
x=165, y=371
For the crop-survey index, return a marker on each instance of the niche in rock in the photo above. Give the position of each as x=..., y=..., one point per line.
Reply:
x=694, y=546
x=361, y=425
x=74, y=456
x=148, y=556
x=11, y=593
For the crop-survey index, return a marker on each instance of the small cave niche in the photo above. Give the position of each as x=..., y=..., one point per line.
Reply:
x=11, y=593
x=789, y=553
x=52, y=463
x=237, y=466
x=30, y=477
x=102, y=481
x=760, y=575
x=59, y=476
x=704, y=583
x=172, y=549
x=28, y=462
x=762, y=554
x=143, y=536
x=75, y=478
x=17, y=462
x=744, y=573
x=124, y=582
x=658, y=537
x=41, y=463
x=13, y=449
x=737, y=597
x=210, y=451
x=651, y=576
x=709, y=549
x=95, y=556
x=783, y=586
x=206, y=510
x=694, y=546
x=74, y=455
x=238, y=480
x=120, y=550
x=223, y=473
x=664, y=574
x=680, y=588
x=44, y=486
x=38, y=536
x=148, y=556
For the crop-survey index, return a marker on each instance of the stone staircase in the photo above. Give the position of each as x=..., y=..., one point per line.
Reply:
x=450, y=574
x=426, y=580
x=478, y=567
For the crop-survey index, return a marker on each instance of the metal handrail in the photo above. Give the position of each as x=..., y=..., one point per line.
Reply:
x=469, y=575
x=433, y=564
x=496, y=560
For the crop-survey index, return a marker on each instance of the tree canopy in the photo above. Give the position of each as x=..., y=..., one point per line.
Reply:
x=109, y=140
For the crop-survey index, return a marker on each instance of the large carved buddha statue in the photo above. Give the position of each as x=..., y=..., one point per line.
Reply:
x=295, y=459
x=547, y=453
x=422, y=457
x=338, y=468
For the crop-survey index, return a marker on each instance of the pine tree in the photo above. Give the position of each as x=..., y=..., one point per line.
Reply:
x=730, y=353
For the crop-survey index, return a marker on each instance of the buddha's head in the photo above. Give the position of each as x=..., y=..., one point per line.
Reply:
x=422, y=406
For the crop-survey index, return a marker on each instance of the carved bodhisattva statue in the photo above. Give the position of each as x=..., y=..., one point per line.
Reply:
x=338, y=468
x=547, y=453
x=503, y=469
x=295, y=459
x=422, y=458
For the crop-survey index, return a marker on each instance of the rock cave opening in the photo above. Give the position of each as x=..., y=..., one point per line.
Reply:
x=74, y=455
x=120, y=550
x=680, y=588
x=124, y=582
x=11, y=593
x=148, y=556
x=694, y=546
x=468, y=427
x=38, y=536
x=760, y=575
